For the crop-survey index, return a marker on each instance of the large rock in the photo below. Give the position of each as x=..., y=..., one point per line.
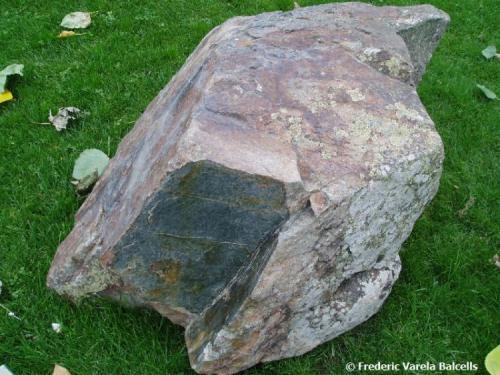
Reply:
x=261, y=199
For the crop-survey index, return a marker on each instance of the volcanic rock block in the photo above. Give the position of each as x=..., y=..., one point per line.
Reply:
x=263, y=196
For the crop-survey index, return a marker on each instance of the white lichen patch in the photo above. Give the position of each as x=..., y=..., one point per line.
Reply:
x=295, y=128
x=340, y=134
x=393, y=64
x=403, y=112
x=325, y=154
x=397, y=198
x=322, y=322
x=298, y=134
x=396, y=66
x=351, y=45
x=320, y=98
x=317, y=101
x=355, y=94
x=370, y=52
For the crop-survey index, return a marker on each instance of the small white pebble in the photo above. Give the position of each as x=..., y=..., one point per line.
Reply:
x=56, y=327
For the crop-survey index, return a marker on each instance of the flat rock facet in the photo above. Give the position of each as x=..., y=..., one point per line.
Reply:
x=263, y=196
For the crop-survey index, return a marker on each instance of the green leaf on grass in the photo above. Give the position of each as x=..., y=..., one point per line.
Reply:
x=487, y=92
x=492, y=361
x=88, y=163
x=9, y=71
x=489, y=52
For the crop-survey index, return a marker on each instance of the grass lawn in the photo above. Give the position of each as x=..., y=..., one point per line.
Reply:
x=446, y=305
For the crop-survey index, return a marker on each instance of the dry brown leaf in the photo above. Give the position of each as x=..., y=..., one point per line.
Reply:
x=69, y=34
x=61, y=119
x=59, y=370
x=66, y=34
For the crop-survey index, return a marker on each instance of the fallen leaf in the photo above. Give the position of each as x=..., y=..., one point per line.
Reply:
x=56, y=327
x=63, y=116
x=89, y=166
x=14, y=69
x=6, y=96
x=85, y=185
x=489, y=52
x=296, y=5
x=66, y=34
x=76, y=20
x=492, y=361
x=487, y=92
x=470, y=202
x=59, y=370
x=4, y=370
x=496, y=260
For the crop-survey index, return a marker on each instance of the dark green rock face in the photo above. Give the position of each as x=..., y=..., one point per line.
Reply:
x=196, y=232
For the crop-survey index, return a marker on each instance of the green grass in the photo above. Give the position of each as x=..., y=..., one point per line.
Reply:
x=446, y=305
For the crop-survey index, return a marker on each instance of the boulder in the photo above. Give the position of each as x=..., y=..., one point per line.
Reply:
x=262, y=198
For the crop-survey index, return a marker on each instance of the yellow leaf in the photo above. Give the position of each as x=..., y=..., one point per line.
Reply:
x=6, y=96
x=59, y=370
x=492, y=361
x=66, y=34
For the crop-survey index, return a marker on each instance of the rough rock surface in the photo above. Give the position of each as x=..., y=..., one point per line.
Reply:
x=263, y=196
